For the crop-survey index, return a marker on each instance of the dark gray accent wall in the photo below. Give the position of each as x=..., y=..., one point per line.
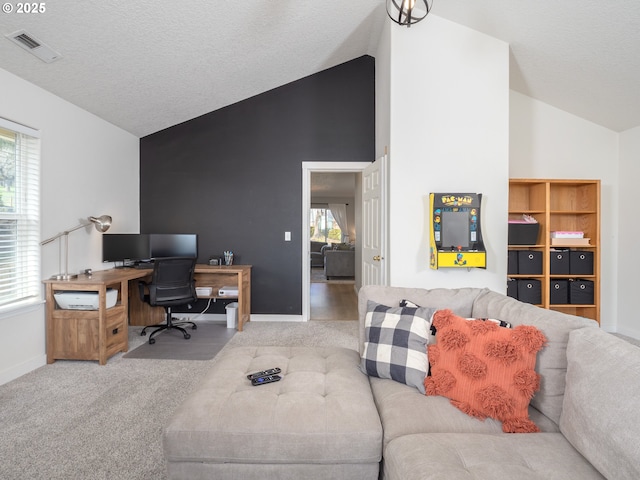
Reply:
x=234, y=176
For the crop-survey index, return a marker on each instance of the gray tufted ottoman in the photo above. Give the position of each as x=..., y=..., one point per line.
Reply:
x=318, y=422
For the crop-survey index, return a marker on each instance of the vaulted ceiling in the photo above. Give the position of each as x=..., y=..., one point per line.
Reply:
x=146, y=65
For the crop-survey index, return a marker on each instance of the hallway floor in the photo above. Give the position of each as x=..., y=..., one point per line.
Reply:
x=333, y=301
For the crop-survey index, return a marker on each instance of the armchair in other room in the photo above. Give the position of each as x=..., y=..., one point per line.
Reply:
x=171, y=285
x=317, y=255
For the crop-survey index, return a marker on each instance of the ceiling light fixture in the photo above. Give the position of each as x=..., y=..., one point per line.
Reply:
x=408, y=12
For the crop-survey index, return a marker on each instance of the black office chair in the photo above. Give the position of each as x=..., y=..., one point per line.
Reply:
x=171, y=285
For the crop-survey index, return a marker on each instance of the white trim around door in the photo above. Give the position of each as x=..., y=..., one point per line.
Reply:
x=307, y=169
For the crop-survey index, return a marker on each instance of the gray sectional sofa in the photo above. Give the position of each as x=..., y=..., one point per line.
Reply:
x=326, y=419
x=586, y=407
x=339, y=263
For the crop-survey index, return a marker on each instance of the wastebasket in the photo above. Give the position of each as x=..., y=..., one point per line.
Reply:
x=232, y=314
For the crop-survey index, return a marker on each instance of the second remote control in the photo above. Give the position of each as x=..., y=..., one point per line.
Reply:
x=264, y=373
x=263, y=380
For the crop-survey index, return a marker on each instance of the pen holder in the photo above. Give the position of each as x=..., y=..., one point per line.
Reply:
x=228, y=258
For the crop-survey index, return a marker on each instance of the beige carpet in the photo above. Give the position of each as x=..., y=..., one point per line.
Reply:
x=79, y=420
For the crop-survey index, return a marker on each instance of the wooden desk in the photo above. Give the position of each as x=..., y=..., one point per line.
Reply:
x=100, y=334
x=89, y=334
x=223, y=276
x=142, y=314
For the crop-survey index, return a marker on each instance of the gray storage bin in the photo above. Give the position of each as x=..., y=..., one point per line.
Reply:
x=558, y=292
x=529, y=291
x=580, y=262
x=529, y=262
x=581, y=292
x=523, y=233
x=559, y=262
x=512, y=262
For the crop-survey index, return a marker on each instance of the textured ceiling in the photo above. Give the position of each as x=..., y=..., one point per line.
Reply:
x=146, y=65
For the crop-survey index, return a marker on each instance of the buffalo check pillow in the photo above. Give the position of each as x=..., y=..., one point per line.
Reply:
x=395, y=344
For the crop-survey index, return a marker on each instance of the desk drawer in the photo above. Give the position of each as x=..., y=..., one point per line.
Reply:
x=116, y=328
x=116, y=337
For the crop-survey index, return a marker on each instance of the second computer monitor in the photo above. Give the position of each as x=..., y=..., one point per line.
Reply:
x=173, y=245
x=127, y=248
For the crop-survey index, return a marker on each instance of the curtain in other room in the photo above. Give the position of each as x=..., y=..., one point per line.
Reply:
x=339, y=212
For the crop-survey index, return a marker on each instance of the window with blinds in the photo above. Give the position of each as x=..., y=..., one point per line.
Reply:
x=19, y=215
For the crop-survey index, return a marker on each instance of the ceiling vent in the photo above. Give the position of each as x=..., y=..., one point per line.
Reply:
x=32, y=45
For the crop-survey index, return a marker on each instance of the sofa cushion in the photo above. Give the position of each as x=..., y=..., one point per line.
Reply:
x=600, y=411
x=485, y=370
x=460, y=300
x=404, y=411
x=396, y=343
x=432, y=339
x=452, y=456
x=320, y=413
x=552, y=360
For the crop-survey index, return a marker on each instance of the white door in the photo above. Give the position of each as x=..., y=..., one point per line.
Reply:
x=374, y=218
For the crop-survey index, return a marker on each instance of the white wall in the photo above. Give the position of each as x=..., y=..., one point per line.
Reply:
x=449, y=124
x=89, y=167
x=383, y=92
x=627, y=261
x=549, y=143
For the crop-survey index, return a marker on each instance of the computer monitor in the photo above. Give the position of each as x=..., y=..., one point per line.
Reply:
x=173, y=245
x=127, y=248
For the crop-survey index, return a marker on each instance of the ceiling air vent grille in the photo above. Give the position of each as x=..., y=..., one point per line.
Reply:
x=27, y=40
x=32, y=45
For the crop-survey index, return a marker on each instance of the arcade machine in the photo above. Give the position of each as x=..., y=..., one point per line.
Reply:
x=456, y=236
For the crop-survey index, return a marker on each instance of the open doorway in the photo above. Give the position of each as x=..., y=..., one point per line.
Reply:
x=332, y=237
x=331, y=190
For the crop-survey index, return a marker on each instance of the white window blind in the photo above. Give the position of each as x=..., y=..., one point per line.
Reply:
x=19, y=215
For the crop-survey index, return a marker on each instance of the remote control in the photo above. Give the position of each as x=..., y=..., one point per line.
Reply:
x=262, y=380
x=264, y=373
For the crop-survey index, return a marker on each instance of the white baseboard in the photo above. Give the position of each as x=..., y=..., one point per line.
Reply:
x=23, y=368
x=205, y=317
x=629, y=332
x=275, y=318
x=220, y=317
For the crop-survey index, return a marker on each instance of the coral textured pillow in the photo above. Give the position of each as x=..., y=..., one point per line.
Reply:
x=485, y=370
x=395, y=344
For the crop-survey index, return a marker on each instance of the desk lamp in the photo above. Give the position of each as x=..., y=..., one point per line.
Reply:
x=102, y=224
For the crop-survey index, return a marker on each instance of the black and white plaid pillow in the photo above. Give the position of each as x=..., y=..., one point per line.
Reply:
x=396, y=343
